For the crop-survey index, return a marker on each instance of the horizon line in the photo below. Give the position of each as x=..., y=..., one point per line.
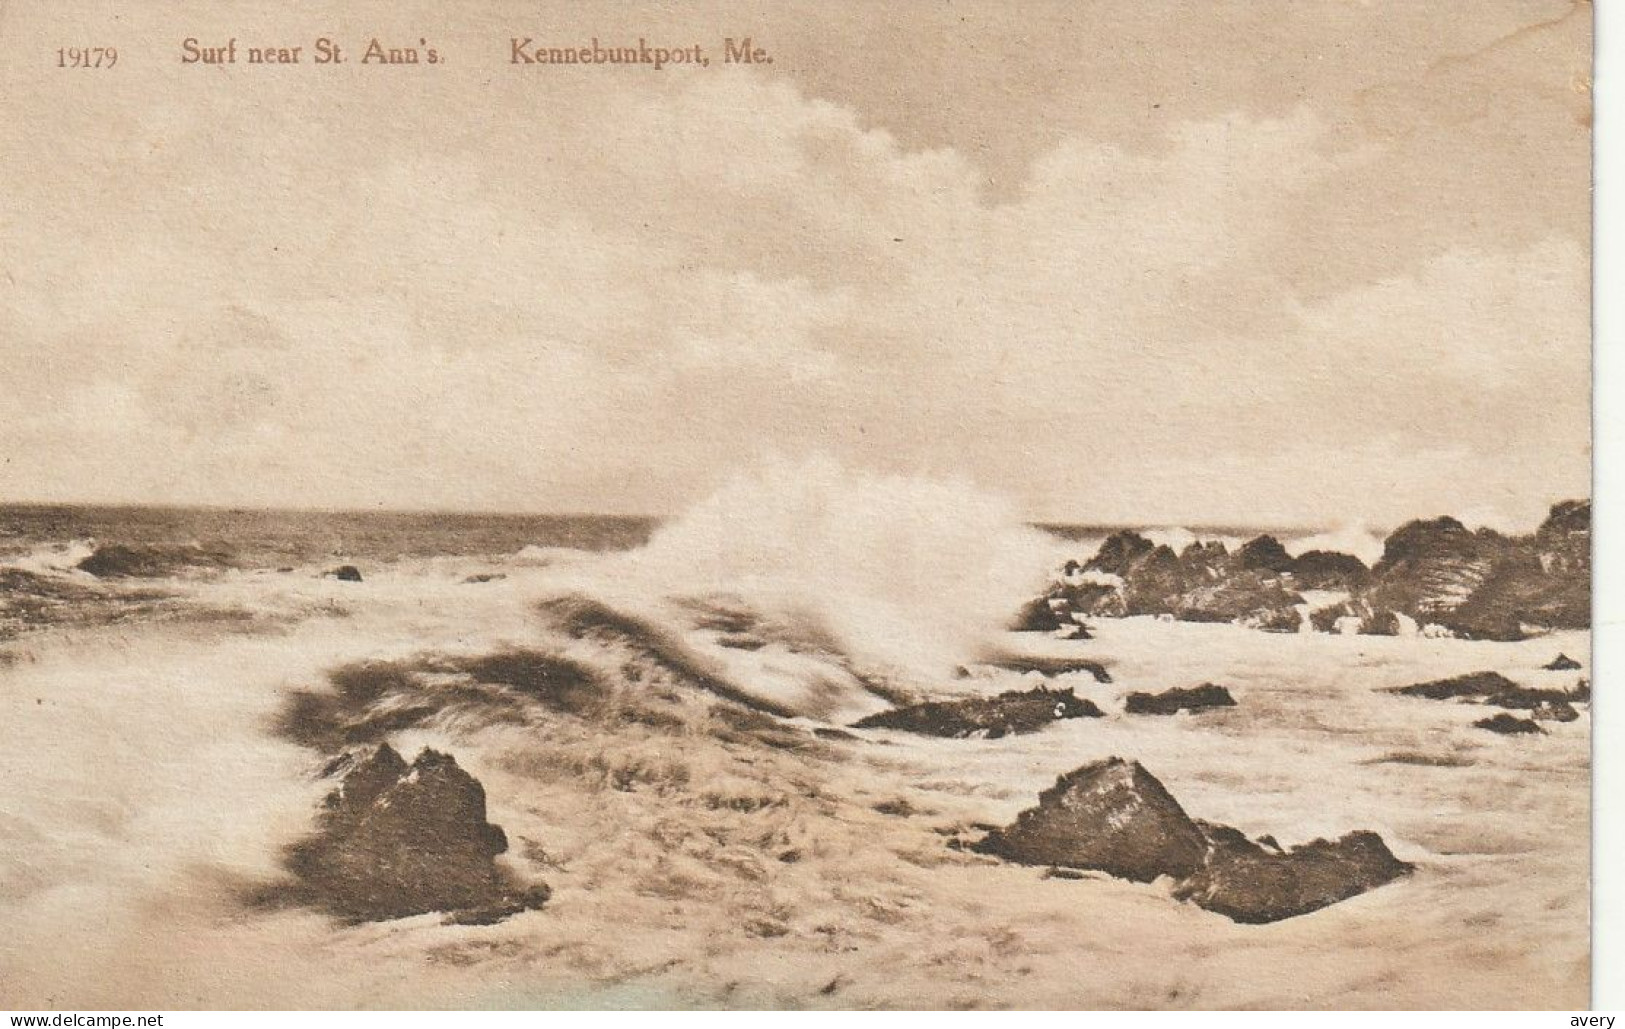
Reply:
x=1195, y=527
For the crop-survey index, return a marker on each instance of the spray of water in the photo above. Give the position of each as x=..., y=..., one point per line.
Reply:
x=909, y=575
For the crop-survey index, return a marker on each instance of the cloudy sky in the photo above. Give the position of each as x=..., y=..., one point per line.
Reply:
x=1218, y=262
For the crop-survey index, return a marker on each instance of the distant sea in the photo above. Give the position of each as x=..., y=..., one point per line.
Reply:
x=270, y=538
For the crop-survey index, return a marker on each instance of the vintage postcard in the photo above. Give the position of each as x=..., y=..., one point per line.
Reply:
x=1009, y=504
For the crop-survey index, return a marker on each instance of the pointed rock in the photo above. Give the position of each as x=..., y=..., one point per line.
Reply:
x=1112, y=816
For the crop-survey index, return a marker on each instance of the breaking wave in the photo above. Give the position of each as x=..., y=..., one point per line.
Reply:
x=906, y=576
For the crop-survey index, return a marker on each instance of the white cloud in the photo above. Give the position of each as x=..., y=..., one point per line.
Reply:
x=627, y=295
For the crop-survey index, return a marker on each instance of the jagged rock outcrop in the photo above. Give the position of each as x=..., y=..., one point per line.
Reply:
x=1562, y=663
x=1436, y=576
x=1120, y=552
x=1204, y=583
x=1328, y=570
x=1246, y=598
x=395, y=840
x=1265, y=554
x=1012, y=712
x=1253, y=885
x=1114, y=816
x=1563, y=541
x=1208, y=560
x=1484, y=585
x=1173, y=701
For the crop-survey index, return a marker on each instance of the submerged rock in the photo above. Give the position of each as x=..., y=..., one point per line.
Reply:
x=1247, y=883
x=150, y=561
x=395, y=840
x=1508, y=725
x=1496, y=690
x=1114, y=816
x=1473, y=685
x=1562, y=663
x=1050, y=667
x=1012, y=712
x=1169, y=702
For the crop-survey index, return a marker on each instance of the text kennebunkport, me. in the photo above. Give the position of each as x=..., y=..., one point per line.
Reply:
x=525, y=50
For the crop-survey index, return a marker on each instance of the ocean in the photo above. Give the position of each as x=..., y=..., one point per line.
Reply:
x=713, y=828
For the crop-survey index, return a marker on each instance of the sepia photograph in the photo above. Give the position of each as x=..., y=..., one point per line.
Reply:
x=962, y=504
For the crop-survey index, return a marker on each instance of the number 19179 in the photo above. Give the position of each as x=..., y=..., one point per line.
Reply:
x=86, y=57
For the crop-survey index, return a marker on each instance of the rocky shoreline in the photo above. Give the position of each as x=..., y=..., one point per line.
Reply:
x=1435, y=577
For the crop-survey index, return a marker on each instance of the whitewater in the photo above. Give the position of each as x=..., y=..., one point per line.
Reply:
x=747, y=847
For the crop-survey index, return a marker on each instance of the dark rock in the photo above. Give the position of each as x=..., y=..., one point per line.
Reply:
x=1325, y=619
x=1581, y=694
x=1282, y=616
x=1430, y=568
x=1563, y=541
x=1562, y=663
x=1120, y=552
x=1115, y=817
x=1473, y=685
x=1265, y=554
x=825, y=733
x=1038, y=615
x=1508, y=725
x=1245, y=597
x=1328, y=570
x=1206, y=560
x=1497, y=690
x=1011, y=712
x=1077, y=600
x=1554, y=711
x=345, y=573
x=1484, y=585
x=395, y=841
x=1203, y=584
x=1542, y=705
x=1050, y=667
x=484, y=577
x=1246, y=883
x=118, y=561
x=1380, y=623
x=1169, y=702
x=1112, y=816
x=1155, y=583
